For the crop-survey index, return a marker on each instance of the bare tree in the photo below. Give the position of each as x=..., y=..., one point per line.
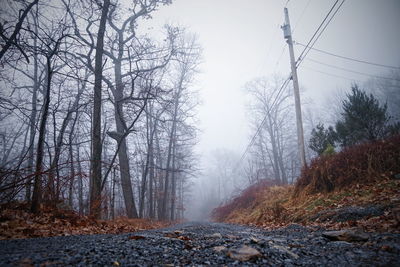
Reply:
x=95, y=193
x=269, y=106
x=50, y=53
x=12, y=39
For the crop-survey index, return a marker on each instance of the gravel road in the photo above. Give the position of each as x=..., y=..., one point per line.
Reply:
x=201, y=244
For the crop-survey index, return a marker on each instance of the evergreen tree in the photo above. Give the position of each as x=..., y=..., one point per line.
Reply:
x=322, y=138
x=363, y=119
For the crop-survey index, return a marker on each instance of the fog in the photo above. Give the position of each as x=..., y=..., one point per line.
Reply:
x=215, y=111
x=243, y=40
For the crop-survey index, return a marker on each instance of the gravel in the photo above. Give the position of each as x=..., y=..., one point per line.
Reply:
x=348, y=213
x=202, y=244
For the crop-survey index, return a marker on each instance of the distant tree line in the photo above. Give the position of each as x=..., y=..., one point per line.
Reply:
x=361, y=116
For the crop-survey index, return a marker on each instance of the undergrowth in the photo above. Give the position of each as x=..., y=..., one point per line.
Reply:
x=16, y=221
x=360, y=164
x=362, y=175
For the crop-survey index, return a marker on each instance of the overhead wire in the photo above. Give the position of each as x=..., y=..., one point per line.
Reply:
x=349, y=58
x=353, y=71
x=300, y=59
x=283, y=86
x=294, y=27
x=330, y=74
x=317, y=30
x=252, y=140
x=301, y=16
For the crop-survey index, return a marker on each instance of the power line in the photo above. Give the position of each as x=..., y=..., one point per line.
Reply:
x=349, y=58
x=252, y=140
x=330, y=74
x=305, y=51
x=319, y=27
x=319, y=35
x=301, y=16
x=353, y=71
x=263, y=63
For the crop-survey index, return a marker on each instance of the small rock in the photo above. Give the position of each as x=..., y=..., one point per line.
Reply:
x=254, y=240
x=219, y=248
x=215, y=235
x=285, y=250
x=346, y=235
x=244, y=253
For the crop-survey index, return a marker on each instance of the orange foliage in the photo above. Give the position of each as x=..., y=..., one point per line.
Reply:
x=244, y=200
x=17, y=222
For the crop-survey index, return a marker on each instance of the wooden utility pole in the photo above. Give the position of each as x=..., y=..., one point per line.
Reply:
x=299, y=122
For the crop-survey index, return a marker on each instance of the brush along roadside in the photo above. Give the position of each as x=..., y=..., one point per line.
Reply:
x=372, y=207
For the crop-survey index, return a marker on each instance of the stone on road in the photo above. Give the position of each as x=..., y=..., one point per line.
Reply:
x=202, y=244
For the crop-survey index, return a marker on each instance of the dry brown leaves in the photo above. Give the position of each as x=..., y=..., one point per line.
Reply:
x=278, y=208
x=17, y=222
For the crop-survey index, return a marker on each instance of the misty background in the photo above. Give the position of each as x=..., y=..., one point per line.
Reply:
x=204, y=86
x=243, y=40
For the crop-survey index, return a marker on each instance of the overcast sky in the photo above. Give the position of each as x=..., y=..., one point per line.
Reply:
x=243, y=40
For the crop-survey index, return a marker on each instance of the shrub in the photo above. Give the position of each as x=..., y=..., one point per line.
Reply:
x=362, y=163
x=244, y=200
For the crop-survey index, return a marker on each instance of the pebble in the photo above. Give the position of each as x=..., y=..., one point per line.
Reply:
x=209, y=245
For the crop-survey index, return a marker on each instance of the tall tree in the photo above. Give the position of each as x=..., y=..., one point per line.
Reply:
x=50, y=53
x=95, y=193
x=270, y=109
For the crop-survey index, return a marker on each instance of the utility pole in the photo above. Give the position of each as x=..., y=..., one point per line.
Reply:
x=287, y=32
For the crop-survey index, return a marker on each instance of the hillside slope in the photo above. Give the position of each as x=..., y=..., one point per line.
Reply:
x=358, y=187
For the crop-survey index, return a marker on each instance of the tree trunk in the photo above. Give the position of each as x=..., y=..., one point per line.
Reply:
x=95, y=197
x=150, y=138
x=274, y=150
x=173, y=181
x=80, y=183
x=37, y=189
x=126, y=183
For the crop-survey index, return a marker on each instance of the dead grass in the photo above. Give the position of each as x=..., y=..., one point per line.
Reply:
x=363, y=175
x=277, y=206
x=17, y=222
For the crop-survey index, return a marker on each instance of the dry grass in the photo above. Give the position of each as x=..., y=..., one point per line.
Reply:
x=17, y=222
x=277, y=206
x=362, y=175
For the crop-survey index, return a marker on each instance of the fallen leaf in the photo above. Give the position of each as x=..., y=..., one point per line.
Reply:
x=183, y=238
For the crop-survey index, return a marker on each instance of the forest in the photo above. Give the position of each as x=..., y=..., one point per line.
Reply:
x=99, y=119
x=96, y=116
x=191, y=133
